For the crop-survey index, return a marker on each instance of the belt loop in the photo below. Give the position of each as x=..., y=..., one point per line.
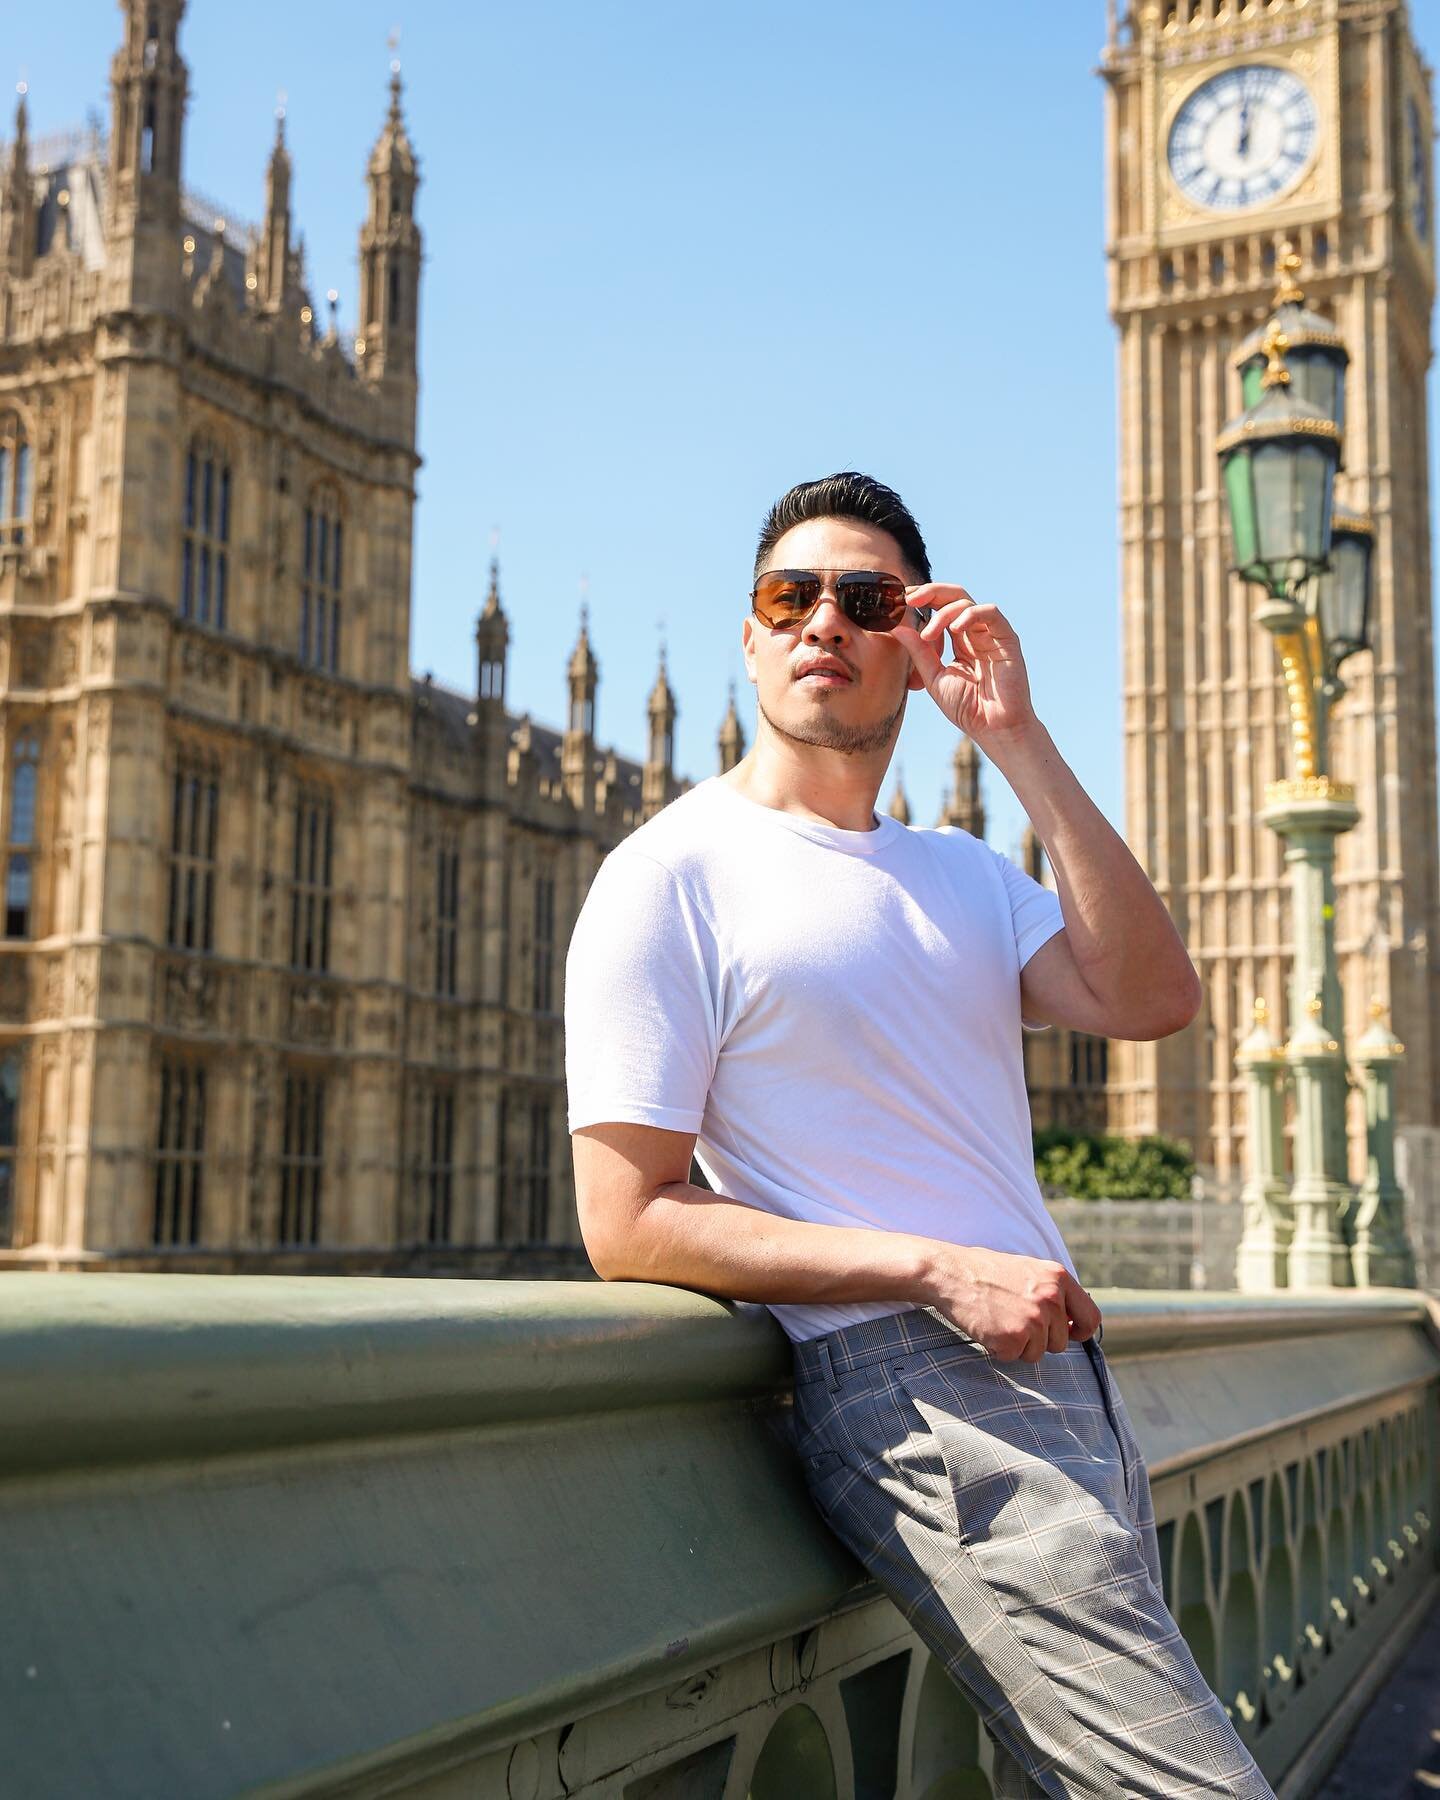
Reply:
x=1100, y=1332
x=824, y=1352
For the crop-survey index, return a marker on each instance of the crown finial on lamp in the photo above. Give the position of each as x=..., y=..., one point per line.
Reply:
x=1275, y=345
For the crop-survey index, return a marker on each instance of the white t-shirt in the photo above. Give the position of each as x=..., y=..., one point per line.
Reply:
x=835, y=1013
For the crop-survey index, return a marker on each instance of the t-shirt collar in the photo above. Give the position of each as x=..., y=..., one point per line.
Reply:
x=819, y=831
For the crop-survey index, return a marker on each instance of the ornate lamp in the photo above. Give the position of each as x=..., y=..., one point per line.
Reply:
x=1278, y=460
x=1315, y=352
x=1342, y=597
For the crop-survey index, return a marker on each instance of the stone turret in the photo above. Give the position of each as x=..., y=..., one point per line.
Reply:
x=148, y=86
x=275, y=263
x=963, y=805
x=17, y=203
x=390, y=256
x=658, y=780
x=578, y=746
x=732, y=736
x=899, y=805
x=1032, y=854
x=492, y=642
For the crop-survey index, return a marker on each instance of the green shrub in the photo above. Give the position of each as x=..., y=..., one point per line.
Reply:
x=1085, y=1167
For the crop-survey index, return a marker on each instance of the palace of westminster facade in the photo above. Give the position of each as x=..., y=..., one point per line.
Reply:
x=280, y=977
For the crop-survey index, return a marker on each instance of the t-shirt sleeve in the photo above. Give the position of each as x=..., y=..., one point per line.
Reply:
x=1035, y=911
x=641, y=1009
x=1035, y=917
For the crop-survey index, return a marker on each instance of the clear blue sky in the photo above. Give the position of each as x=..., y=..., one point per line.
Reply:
x=678, y=258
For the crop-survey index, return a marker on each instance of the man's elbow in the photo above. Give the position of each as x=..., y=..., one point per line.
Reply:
x=1170, y=1008
x=611, y=1244
x=599, y=1246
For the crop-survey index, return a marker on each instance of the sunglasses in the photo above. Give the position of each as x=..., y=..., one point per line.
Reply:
x=869, y=598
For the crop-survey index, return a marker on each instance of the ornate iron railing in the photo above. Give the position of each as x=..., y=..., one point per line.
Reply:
x=533, y=1539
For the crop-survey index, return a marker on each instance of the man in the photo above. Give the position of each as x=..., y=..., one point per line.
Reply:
x=825, y=1008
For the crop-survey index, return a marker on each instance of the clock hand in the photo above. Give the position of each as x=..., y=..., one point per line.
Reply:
x=1244, y=146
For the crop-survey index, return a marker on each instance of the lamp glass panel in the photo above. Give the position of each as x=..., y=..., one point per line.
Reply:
x=1344, y=594
x=1314, y=483
x=1250, y=373
x=1241, y=495
x=1317, y=376
x=1273, y=466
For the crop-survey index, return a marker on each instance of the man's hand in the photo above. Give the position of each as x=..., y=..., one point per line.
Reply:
x=985, y=690
x=1017, y=1307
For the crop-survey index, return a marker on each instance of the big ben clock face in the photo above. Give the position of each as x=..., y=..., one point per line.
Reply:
x=1243, y=138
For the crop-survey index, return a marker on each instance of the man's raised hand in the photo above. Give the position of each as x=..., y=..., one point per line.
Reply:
x=984, y=689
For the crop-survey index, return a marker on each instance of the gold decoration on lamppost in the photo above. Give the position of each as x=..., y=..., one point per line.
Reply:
x=1275, y=345
x=1380, y=1015
x=1288, y=292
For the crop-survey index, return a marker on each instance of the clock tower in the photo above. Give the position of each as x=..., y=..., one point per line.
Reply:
x=1232, y=127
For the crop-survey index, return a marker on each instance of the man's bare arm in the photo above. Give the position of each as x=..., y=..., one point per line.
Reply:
x=642, y=1220
x=1120, y=967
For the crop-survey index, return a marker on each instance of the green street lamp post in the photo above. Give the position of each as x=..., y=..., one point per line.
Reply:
x=1278, y=462
x=1382, y=1253
x=1264, y=1255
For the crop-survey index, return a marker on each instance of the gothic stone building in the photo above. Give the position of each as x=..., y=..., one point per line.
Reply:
x=284, y=928
x=1341, y=103
x=280, y=975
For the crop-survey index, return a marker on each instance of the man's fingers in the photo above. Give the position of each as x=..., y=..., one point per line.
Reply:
x=936, y=593
x=925, y=656
x=1083, y=1311
x=1059, y=1332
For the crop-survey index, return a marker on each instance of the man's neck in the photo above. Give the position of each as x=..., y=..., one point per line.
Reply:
x=836, y=787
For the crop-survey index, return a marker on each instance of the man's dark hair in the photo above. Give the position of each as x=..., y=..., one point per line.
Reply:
x=848, y=495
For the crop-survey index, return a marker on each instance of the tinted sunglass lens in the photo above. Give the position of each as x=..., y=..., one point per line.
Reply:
x=873, y=602
x=781, y=598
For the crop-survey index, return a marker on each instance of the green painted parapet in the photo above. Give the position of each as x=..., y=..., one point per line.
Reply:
x=534, y=1539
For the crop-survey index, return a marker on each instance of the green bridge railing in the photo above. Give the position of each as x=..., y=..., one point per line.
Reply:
x=541, y=1539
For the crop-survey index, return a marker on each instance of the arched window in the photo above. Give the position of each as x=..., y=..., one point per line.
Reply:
x=447, y=914
x=205, y=552
x=321, y=579
x=194, y=821
x=9, y=1141
x=14, y=480
x=20, y=833
x=302, y=1158
x=179, y=1155
x=437, y=1173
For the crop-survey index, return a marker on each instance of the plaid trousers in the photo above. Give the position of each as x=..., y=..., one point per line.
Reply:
x=1005, y=1509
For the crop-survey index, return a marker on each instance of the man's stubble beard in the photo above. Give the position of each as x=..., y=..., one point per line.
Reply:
x=826, y=733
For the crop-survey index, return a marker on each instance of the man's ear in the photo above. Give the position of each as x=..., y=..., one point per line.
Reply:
x=915, y=681
x=747, y=646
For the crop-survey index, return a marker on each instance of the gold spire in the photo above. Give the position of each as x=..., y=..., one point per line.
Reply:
x=1274, y=347
x=1289, y=292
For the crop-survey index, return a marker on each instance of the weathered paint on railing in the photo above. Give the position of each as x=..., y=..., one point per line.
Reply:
x=537, y=1539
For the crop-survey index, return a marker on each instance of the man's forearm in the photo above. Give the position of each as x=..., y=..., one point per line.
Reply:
x=1123, y=939
x=688, y=1237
